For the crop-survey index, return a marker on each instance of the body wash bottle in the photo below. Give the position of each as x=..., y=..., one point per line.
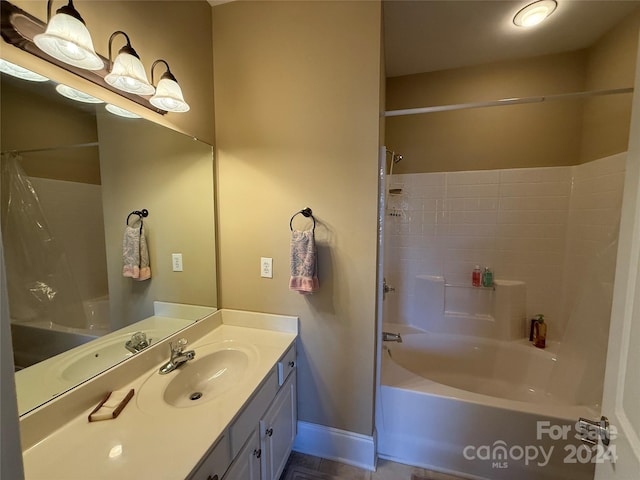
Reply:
x=539, y=332
x=487, y=278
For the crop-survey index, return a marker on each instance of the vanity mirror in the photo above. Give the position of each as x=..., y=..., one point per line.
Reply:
x=71, y=174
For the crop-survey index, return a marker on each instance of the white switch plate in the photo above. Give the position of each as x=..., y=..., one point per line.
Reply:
x=266, y=267
x=176, y=261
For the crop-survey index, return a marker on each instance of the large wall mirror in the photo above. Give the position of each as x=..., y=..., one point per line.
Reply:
x=71, y=174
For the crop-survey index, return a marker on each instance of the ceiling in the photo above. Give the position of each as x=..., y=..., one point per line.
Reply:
x=430, y=35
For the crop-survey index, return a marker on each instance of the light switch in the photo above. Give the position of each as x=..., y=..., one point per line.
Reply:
x=176, y=260
x=266, y=267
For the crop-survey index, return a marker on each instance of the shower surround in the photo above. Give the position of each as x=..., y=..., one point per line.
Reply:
x=537, y=225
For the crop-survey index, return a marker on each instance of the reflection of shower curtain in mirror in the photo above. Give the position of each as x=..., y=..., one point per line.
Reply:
x=39, y=279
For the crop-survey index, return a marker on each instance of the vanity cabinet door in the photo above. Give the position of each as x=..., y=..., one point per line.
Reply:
x=246, y=465
x=278, y=430
x=215, y=463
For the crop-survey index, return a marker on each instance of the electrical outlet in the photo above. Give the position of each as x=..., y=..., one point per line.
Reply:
x=176, y=261
x=266, y=267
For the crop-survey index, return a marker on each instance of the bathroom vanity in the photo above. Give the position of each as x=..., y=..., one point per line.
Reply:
x=230, y=413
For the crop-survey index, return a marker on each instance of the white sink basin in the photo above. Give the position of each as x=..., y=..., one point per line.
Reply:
x=217, y=369
x=95, y=358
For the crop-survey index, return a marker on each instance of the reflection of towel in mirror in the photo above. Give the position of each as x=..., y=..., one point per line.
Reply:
x=304, y=262
x=135, y=254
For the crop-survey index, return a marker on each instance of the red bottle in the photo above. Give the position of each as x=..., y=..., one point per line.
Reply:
x=476, y=276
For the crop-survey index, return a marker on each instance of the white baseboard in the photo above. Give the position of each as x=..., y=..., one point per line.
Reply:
x=334, y=444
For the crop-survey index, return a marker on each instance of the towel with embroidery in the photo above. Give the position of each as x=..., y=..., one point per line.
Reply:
x=135, y=253
x=304, y=262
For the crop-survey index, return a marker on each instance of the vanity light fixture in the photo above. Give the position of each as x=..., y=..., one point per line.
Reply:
x=68, y=39
x=120, y=111
x=126, y=72
x=168, y=94
x=534, y=13
x=77, y=95
x=20, y=72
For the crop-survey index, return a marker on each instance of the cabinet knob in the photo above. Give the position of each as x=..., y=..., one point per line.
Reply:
x=209, y=477
x=292, y=364
x=257, y=453
x=269, y=432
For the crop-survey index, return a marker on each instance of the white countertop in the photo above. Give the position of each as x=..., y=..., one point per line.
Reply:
x=163, y=442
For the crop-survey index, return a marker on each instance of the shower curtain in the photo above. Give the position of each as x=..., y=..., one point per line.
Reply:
x=39, y=279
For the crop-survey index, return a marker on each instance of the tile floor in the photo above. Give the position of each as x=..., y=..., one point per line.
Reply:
x=308, y=467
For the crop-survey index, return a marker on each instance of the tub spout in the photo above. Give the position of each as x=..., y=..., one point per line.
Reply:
x=391, y=337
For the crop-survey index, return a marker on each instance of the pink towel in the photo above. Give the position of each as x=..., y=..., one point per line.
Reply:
x=135, y=254
x=304, y=262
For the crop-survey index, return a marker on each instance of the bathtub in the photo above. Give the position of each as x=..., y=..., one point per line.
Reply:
x=479, y=408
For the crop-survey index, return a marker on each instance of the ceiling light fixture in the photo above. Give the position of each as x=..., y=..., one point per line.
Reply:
x=535, y=13
x=168, y=94
x=68, y=39
x=20, y=72
x=77, y=95
x=126, y=72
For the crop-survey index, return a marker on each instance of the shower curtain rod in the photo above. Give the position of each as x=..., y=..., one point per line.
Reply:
x=505, y=101
x=51, y=149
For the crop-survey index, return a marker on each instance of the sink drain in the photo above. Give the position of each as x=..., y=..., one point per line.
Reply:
x=195, y=396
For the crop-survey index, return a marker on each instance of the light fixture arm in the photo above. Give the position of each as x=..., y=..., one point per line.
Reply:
x=68, y=9
x=166, y=74
x=126, y=49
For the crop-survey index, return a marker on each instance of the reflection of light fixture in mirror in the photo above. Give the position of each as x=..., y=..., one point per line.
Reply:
x=76, y=95
x=534, y=13
x=120, y=111
x=68, y=39
x=126, y=72
x=168, y=94
x=20, y=72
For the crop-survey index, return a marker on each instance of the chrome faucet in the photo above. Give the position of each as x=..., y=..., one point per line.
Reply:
x=391, y=337
x=138, y=342
x=178, y=357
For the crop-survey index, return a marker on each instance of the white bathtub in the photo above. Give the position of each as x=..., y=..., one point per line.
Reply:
x=470, y=406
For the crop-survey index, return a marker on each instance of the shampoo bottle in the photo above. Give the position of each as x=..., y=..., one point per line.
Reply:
x=487, y=278
x=539, y=332
x=476, y=276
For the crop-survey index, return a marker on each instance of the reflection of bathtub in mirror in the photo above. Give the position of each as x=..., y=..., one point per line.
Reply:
x=49, y=378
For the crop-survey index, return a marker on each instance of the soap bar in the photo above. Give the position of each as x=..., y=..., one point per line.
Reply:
x=111, y=406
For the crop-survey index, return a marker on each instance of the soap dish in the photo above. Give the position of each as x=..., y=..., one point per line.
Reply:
x=111, y=406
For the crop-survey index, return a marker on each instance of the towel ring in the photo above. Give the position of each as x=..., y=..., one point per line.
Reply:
x=306, y=212
x=141, y=214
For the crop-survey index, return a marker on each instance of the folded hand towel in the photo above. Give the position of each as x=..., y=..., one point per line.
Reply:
x=304, y=262
x=135, y=254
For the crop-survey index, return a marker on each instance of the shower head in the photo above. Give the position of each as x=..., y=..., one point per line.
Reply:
x=395, y=157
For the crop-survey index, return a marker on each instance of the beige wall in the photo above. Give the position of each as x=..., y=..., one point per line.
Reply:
x=297, y=104
x=145, y=166
x=33, y=121
x=177, y=31
x=566, y=132
x=529, y=135
x=611, y=64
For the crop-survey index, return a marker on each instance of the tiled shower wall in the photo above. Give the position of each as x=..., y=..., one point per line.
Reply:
x=539, y=225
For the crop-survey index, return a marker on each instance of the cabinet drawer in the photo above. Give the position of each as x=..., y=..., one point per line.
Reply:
x=215, y=463
x=242, y=427
x=286, y=364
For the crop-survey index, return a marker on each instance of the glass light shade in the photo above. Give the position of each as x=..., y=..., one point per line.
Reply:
x=535, y=13
x=20, y=72
x=120, y=111
x=67, y=39
x=76, y=95
x=169, y=97
x=128, y=75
